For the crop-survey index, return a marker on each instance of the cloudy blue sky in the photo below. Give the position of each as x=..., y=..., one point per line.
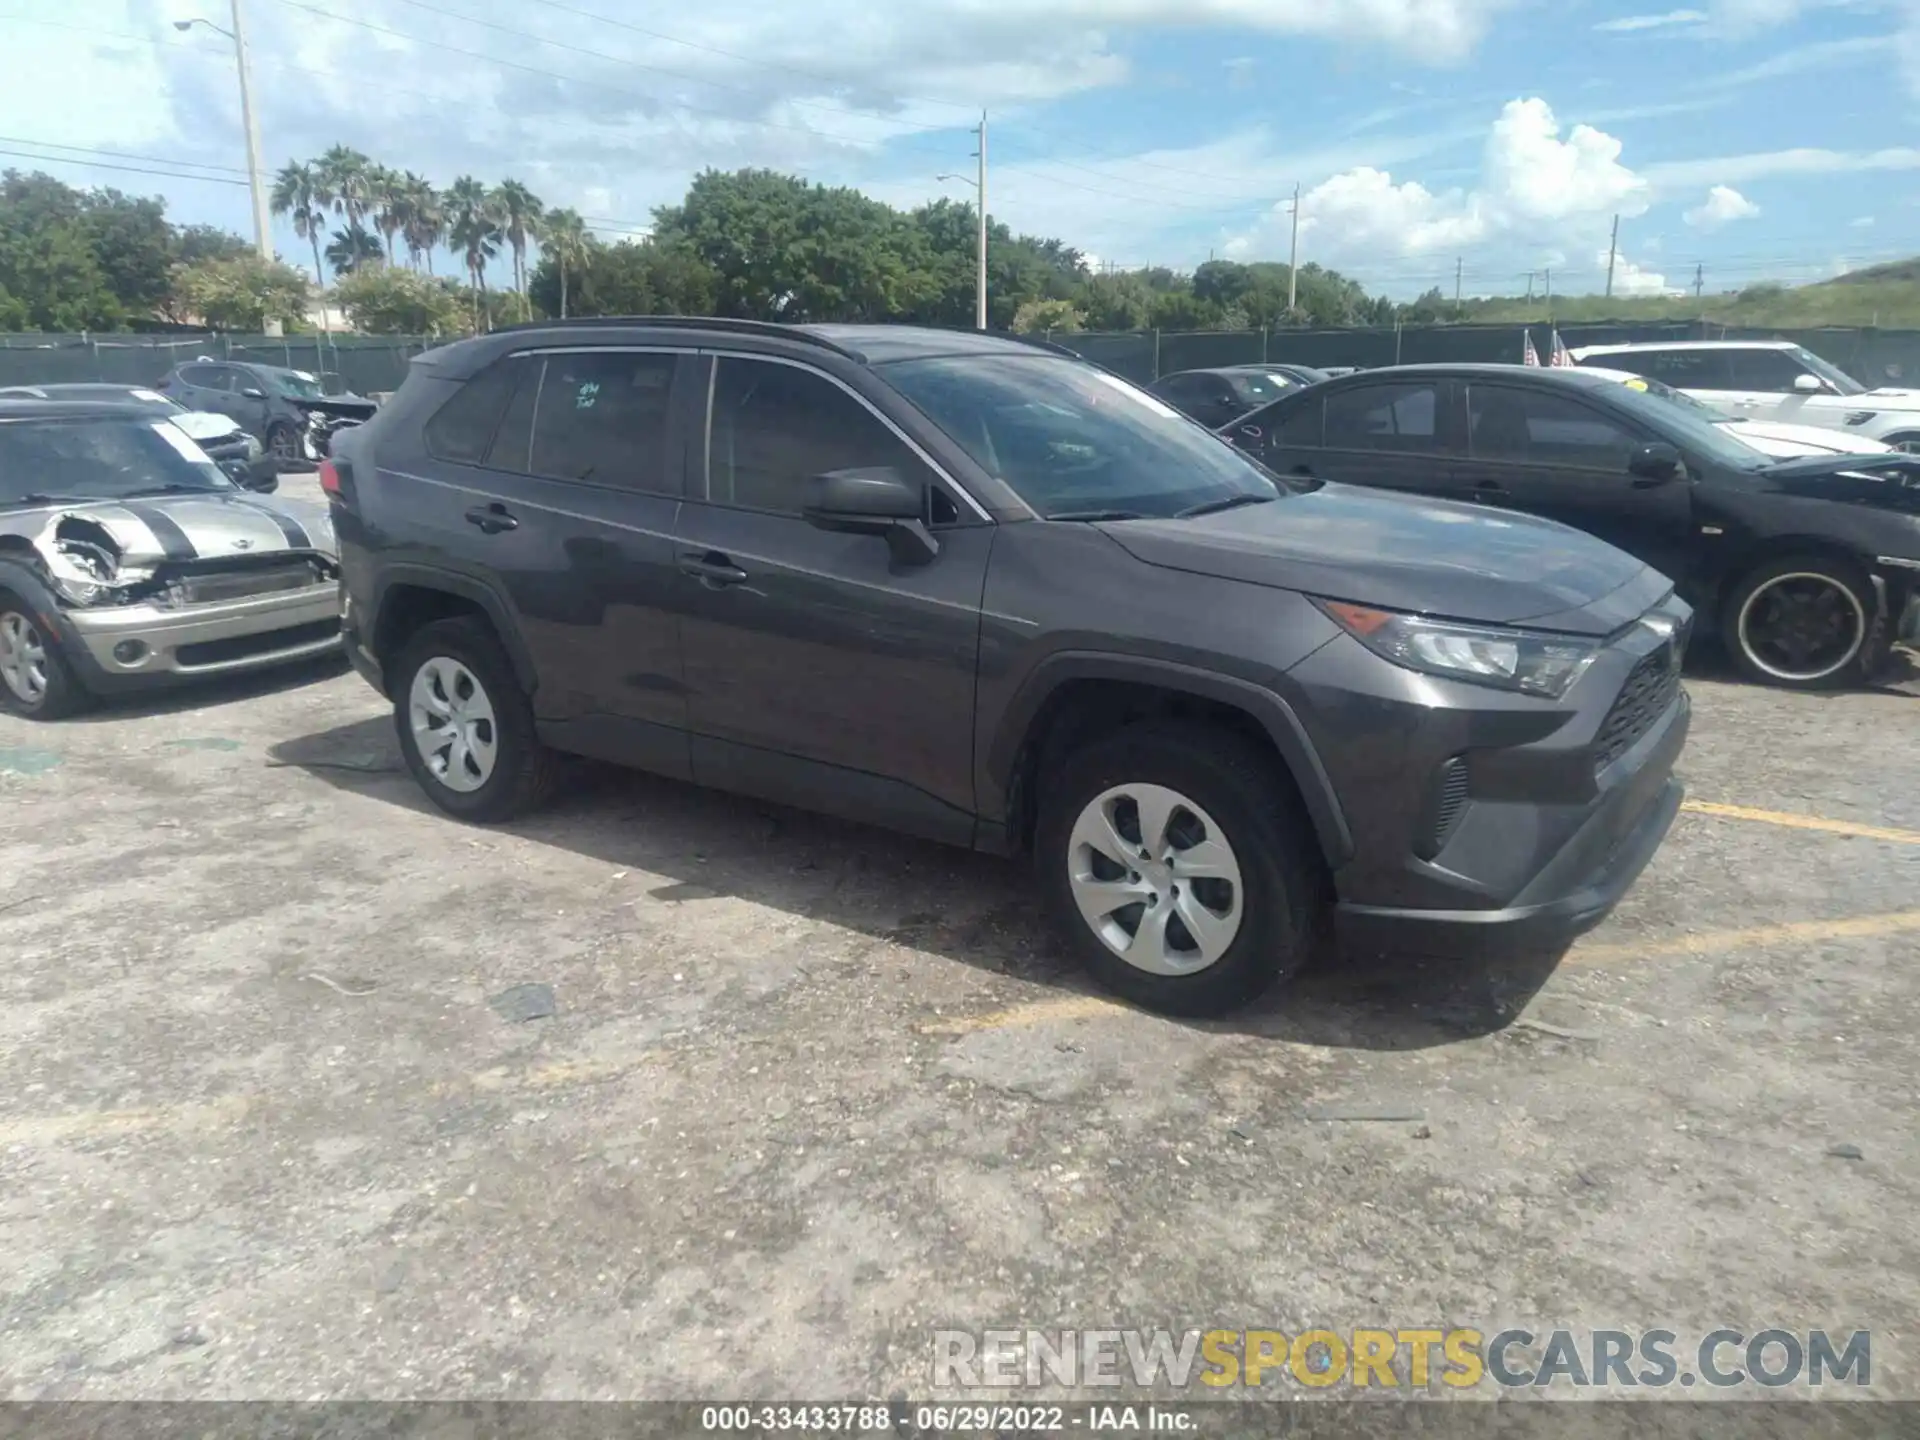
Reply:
x=1757, y=138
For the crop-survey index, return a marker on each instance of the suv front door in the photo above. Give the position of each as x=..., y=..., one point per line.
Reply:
x=1555, y=456
x=823, y=671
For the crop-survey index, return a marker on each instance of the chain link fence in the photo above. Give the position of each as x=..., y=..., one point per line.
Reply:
x=362, y=364
x=369, y=364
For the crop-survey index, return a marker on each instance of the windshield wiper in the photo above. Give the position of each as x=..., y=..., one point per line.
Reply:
x=1098, y=515
x=40, y=497
x=172, y=487
x=1232, y=502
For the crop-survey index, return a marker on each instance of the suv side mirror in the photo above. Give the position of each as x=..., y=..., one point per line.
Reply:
x=254, y=393
x=873, y=500
x=1806, y=384
x=1656, y=464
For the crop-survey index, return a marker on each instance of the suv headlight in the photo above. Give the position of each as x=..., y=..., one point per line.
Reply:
x=1527, y=661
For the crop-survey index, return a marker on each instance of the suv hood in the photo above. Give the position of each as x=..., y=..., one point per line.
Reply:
x=204, y=424
x=1892, y=399
x=1403, y=552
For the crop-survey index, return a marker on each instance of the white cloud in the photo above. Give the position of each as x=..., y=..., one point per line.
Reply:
x=1723, y=206
x=1627, y=23
x=1631, y=279
x=1863, y=223
x=1743, y=169
x=1534, y=184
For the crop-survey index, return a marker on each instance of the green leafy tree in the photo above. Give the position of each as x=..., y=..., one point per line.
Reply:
x=134, y=246
x=47, y=262
x=1117, y=302
x=1037, y=317
x=206, y=242
x=633, y=277
x=391, y=300
x=243, y=293
x=300, y=194
x=345, y=178
x=519, y=210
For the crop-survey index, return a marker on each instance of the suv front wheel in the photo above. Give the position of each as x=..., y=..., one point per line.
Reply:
x=1174, y=858
x=465, y=725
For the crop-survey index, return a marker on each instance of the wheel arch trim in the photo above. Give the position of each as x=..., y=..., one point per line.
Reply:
x=465, y=587
x=1273, y=714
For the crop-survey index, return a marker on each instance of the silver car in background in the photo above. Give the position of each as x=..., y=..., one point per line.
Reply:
x=128, y=560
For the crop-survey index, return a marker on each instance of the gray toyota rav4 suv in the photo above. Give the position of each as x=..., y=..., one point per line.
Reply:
x=984, y=592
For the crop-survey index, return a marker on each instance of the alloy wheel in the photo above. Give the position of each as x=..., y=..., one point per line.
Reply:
x=1802, y=627
x=453, y=724
x=1155, y=877
x=23, y=658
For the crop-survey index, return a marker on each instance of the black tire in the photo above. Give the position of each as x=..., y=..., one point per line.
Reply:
x=1850, y=601
x=524, y=770
x=1255, y=807
x=62, y=694
x=1908, y=440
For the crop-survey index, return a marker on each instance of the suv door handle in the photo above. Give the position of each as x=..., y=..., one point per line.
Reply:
x=492, y=519
x=712, y=569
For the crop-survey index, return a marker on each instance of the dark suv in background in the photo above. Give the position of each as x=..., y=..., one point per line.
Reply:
x=285, y=410
x=992, y=595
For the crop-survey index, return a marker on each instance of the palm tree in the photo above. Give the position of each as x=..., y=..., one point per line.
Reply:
x=297, y=192
x=565, y=234
x=424, y=221
x=519, y=210
x=350, y=249
x=345, y=179
x=473, y=228
x=387, y=194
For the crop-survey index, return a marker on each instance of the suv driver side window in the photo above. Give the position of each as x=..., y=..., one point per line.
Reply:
x=774, y=426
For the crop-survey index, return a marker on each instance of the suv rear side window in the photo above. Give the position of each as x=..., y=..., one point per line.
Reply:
x=774, y=427
x=1682, y=369
x=1403, y=418
x=462, y=428
x=601, y=416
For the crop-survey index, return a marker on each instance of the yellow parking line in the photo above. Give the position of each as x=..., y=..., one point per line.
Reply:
x=1802, y=822
x=1719, y=942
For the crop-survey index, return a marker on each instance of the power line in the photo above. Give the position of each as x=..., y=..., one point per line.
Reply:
x=131, y=169
x=118, y=154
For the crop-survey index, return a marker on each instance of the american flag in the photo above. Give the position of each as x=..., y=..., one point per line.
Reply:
x=1529, y=356
x=1561, y=355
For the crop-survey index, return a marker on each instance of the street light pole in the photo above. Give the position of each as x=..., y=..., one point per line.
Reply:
x=980, y=278
x=256, y=181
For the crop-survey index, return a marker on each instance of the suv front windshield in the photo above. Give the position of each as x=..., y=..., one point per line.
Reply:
x=296, y=387
x=100, y=459
x=1832, y=374
x=1691, y=430
x=1073, y=441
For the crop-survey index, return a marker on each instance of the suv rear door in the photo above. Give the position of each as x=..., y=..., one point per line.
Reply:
x=821, y=671
x=1552, y=454
x=557, y=479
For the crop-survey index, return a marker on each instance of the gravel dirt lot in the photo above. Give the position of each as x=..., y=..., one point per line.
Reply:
x=810, y=1092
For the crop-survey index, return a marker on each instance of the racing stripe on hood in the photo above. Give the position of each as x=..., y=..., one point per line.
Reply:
x=296, y=533
x=172, y=540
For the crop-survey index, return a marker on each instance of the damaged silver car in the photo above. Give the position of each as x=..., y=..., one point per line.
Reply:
x=128, y=560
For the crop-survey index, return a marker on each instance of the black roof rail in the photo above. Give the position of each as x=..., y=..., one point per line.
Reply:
x=685, y=322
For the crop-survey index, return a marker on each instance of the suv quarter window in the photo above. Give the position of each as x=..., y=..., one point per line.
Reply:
x=600, y=416
x=205, y=377
x=462, y=429
x=773, y=425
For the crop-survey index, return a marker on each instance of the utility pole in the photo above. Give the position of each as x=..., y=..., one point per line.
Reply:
x=1613, y=252
x=1549, y=275
x=1530, y=275
x=1293, y=259
x=1699, y=280
x=980, y=278
x=256, y=180
x=1459, y=264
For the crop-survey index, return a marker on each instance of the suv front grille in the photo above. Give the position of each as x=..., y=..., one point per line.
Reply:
x=1649, y=691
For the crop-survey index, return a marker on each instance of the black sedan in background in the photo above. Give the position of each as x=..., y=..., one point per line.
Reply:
x=1213, y=397
x=1809, y=569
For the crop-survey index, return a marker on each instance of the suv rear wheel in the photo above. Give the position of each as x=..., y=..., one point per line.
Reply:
x=1801, y=623
x=465, y=725
x=1176, y=863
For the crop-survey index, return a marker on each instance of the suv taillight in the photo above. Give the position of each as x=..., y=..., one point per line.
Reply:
x=330, y=477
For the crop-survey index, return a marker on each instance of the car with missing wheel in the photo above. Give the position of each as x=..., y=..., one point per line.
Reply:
x=1808, y=570
x=986, y=593
x=129, y=561
x=286, y=410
